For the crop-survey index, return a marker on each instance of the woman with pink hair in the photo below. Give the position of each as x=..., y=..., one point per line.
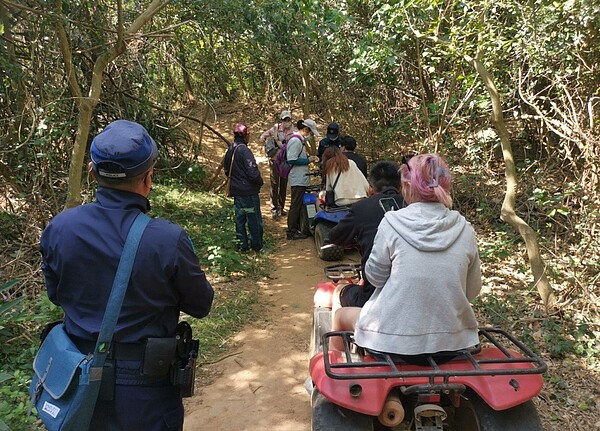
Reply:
x=425, y=267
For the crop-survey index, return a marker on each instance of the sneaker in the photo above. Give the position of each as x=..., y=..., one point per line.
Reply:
x=296, y=235
x=275, y=214
x=263, y=250
x=282, y=212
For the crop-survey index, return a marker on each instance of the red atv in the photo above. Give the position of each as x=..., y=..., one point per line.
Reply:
x=488, y=388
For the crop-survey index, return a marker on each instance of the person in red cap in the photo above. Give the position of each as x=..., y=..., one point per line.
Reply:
x=246, y=181
x=81, y=248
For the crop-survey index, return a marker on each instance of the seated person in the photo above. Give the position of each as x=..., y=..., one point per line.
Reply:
x=348, y=146
x=360, y=225
x=425, y=266
x=343, y=177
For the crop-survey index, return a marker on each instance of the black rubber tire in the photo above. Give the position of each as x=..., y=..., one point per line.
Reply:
x=304, y=226
x=327, y=416
x=321, y=236
x=475, y=415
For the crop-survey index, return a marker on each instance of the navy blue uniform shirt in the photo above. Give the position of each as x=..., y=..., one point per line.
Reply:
x=81, y=248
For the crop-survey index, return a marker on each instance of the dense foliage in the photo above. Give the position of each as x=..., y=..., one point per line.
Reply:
x=396, y=74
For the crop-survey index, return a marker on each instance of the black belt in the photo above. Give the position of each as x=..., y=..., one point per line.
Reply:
x=118, y=351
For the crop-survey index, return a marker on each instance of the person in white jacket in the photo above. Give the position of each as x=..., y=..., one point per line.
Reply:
x=343, y=177
x=425, y=267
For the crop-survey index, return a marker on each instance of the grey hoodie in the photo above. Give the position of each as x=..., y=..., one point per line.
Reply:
x=425, y=267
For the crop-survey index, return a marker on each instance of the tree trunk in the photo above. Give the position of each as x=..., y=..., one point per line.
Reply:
x=86, y=106
x=508, y=213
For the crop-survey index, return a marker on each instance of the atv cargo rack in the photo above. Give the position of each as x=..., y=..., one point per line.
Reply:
x=504, y=360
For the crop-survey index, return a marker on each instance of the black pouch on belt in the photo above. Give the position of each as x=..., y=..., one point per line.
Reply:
x=107, y=386
x=159, y=355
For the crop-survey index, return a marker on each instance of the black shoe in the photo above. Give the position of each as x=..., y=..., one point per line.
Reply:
x=274, y=214
x=282, y=212
x=296, y=235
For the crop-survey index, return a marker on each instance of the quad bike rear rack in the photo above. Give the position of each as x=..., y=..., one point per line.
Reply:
x=506, y=361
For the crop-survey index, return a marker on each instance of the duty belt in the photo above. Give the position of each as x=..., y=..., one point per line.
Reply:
x=117, y=351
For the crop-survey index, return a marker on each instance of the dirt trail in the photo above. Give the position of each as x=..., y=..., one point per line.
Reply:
x=261, y=387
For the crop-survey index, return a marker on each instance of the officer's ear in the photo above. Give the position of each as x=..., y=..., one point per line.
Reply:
x=148, y=178
x=91, y=172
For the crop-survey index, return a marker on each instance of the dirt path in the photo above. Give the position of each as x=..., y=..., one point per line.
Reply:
x=261, y=387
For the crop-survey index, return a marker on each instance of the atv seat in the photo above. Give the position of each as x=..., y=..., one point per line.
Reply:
x=423, y=360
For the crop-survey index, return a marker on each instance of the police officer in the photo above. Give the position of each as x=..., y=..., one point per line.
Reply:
x=81, y=248
x=332, y=138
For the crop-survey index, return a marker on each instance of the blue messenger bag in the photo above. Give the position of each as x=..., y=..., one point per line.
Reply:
x=66, y=382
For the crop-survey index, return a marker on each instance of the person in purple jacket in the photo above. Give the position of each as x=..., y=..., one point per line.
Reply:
x=246, y=182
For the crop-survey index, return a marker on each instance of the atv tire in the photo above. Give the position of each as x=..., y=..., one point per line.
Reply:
x=334, y=252
x=327, y=416
x=304, y=225
x=475, y=415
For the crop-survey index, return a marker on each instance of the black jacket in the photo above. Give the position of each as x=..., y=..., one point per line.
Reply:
x=361, y=224
x=245, y=176
x=360, y=161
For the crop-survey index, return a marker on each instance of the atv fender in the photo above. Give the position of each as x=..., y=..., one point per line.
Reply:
x=500, y=392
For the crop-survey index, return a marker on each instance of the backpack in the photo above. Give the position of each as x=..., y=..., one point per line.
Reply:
x=271, y=146
x=280, y=160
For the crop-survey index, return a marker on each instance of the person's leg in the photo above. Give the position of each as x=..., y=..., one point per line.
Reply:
x=282, y=194
x=335, y=299
x=140, y=408
x=240, y=222
x=255, y=223
x=293, y=219
x=344, y=319
x=275, y=181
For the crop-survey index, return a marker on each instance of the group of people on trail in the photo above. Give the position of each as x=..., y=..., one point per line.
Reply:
x=409, y=239
x=419, y=257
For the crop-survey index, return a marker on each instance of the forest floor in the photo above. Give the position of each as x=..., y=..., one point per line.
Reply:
x=259, y=385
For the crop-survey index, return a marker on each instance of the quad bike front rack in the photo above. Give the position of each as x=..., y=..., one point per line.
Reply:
x=515, y=359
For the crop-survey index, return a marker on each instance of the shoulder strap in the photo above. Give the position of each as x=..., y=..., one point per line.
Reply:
x=232, y=158
x=119, y=287
x=336, y=180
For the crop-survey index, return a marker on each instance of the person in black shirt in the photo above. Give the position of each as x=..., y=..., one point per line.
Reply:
x=348, y=145
x=360, y=225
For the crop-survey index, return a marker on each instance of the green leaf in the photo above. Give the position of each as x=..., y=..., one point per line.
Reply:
x=4, y=377
x=8, y=285
x=10, y=304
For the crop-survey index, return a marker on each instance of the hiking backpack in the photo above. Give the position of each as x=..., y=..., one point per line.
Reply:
x=281, y=163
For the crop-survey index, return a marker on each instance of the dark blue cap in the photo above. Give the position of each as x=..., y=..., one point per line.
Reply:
x=333, y=131
x=124, y=149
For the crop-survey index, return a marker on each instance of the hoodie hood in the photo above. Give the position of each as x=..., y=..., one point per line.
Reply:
x=427, y=226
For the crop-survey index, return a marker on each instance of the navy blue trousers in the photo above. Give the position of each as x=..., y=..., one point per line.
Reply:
x=139, y=404
x=247, y=212
x=140, y=408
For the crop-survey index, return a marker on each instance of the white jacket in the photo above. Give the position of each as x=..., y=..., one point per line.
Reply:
x=351, y=187
x=425, y=267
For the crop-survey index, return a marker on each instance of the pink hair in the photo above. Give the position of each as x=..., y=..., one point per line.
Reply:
x=426, y=178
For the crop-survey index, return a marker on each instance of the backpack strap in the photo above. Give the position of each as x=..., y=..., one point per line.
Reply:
x=232, y=158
